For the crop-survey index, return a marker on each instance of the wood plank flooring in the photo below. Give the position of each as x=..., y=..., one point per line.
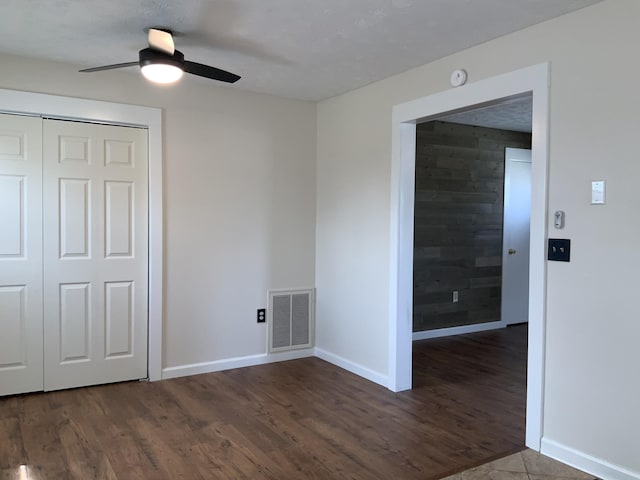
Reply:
x=304, y=419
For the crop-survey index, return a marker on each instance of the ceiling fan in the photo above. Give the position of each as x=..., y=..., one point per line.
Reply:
x=162, y=63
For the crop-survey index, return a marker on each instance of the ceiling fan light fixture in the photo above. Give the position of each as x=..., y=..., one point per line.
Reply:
x=161, y=67
x=162, y=63
x=161, y=73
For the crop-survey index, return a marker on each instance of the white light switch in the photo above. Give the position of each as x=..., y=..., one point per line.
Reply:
x=597, y=192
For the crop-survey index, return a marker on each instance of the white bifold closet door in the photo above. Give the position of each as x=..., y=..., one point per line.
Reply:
x=20, y=254
x=73, y=254
x=95, y=253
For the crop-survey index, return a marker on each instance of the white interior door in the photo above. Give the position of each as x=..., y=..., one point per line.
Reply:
x=20, y=254
x=95, y=254
x=515, y=245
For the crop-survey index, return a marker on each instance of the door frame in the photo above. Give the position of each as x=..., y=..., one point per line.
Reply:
x=534, y=80
x=95, y=111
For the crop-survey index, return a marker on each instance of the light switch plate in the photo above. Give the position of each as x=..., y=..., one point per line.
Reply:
x=597, y=192
x=559, y=249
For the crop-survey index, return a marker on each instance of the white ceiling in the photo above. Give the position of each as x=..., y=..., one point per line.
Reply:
x=294, y=48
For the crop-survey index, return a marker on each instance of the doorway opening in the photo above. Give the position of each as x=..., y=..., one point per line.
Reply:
x=533, y=81
x=472, y=198
x=470, y=272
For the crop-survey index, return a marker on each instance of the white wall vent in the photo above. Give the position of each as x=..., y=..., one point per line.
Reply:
x=291, y=319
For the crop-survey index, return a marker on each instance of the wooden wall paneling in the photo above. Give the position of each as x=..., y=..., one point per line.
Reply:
x=458, y=223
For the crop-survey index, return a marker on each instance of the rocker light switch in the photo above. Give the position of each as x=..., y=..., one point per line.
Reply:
x=597, y=192
x=559, y=249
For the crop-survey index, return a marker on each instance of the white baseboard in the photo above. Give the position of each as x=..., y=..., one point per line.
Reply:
x=237, y=362
x=446, y=332
x=352, y=367
x=586, y=463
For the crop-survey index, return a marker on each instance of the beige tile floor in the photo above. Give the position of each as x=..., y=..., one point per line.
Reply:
x=526, y=465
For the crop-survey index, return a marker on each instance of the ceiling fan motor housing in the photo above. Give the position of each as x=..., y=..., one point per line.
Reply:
x=150, y=56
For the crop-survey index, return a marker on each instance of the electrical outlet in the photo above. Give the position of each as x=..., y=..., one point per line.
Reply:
x=262, y=315
x=455, y=296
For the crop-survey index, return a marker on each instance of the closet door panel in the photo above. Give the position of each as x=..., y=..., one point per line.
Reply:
x=20, y=254
x=95, y=231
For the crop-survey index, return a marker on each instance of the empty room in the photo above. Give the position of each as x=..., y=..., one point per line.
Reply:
x=211, y=226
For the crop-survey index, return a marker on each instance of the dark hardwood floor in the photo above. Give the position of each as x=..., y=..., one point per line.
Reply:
x=303, y=419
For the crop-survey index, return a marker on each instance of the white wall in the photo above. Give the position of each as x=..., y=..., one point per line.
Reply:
x=592, y=386
x=239, y=187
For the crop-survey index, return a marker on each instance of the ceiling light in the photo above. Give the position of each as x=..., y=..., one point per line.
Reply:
x=161, y=72
x=160, y=67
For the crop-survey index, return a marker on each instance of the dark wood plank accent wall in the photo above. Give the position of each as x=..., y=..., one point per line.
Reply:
x=458, y=223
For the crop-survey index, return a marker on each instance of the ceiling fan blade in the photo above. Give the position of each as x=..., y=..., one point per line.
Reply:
x=161, y=40
x=210, y=72
x=110, y=67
